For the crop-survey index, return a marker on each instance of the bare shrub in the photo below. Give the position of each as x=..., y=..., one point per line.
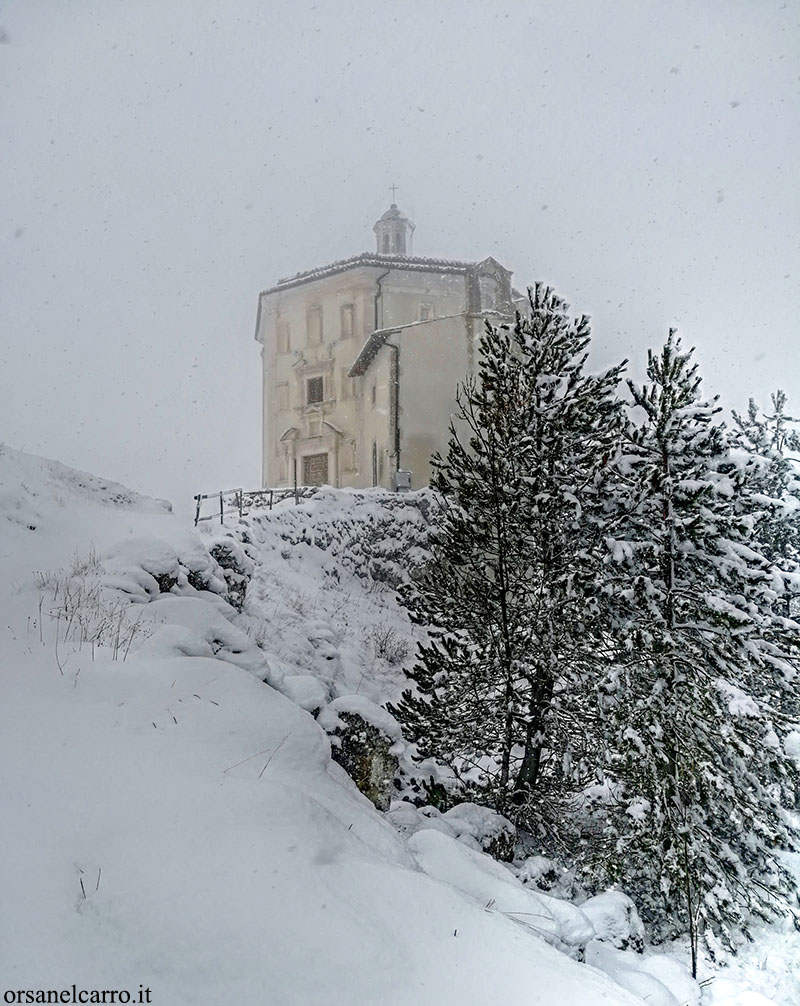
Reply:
x=84, y=611
x=84, y=565
x=387, y=644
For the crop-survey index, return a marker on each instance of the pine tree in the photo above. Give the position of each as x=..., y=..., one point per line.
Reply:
x=768, y=448
x=765, y=449
x=697, y=820
x=500, y=691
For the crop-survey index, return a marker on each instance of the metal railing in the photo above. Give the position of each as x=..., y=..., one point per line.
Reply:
x=241, y=501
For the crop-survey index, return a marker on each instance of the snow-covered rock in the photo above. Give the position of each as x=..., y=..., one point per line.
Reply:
x=479, y=828
x=615, y=920
x=236, y=565
x=150, y=565
x=332, y=715
x=548, y=876
x=306, y=691
x=142, y=568
x=366, y=741
x=492, y=832
x=193, y=626
x=409, y=819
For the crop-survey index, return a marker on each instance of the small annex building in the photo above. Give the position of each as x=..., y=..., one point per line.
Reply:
x=362, y=357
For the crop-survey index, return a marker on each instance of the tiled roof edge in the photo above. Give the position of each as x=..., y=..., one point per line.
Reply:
x=410, y=262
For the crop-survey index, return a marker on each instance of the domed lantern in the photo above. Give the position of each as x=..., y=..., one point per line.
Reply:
x=394, y=232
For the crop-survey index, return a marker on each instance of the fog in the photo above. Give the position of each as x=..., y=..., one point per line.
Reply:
x=164, y=161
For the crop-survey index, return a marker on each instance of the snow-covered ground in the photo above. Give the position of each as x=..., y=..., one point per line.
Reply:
x=172, y=818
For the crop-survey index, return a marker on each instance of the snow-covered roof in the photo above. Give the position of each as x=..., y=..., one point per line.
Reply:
x=376, y=339
x=371, y=259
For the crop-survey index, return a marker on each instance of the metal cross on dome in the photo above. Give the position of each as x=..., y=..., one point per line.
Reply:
x=394, y=191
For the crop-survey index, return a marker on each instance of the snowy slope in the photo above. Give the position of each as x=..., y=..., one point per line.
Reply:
x=48, y=510
x=171, y=821
x=322, y=597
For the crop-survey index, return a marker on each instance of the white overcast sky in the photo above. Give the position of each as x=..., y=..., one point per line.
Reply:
x=164, y=160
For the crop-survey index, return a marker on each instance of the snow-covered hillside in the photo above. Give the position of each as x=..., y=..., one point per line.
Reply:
x=172, y=815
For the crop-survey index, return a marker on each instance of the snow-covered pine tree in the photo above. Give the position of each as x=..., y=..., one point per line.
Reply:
x=767, y=448
x=764, y=454
x=697, y=822
x=500, y=692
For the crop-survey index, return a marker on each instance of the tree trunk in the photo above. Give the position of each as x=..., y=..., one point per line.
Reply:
x=505, y=633
x=528, y=775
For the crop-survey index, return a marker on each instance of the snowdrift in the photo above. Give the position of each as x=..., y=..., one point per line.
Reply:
x=172, y=815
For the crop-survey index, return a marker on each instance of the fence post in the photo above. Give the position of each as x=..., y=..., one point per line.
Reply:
x=221, y=519
x=197, y=512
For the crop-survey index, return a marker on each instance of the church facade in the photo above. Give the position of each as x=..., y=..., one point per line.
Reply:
x=362, y=357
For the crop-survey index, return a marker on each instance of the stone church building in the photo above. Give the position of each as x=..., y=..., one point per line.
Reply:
x=361, y=359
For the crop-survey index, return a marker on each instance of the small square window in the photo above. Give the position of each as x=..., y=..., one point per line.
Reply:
x=426, y=312
x=315, y=390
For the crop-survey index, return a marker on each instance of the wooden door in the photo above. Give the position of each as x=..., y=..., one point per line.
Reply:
x=315, y=470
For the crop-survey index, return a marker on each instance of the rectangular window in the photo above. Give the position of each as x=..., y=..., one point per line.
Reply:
x=284, y=337
x=282, y=397
x=347, y=321
x=488, y=287
x=348, y=384
x=314, y=326
x=373, y=396
x=315, y=390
